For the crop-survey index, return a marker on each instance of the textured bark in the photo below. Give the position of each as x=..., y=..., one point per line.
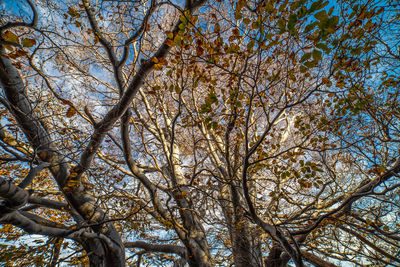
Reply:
x=245, y=249
x=100, y=254
x=165, y=248
x=274, y=257
x=193, y=237
x=315, y=260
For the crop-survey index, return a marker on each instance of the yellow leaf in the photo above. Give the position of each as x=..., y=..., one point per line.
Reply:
x=154, y=59
x=10, y=37
x=28, y=42
x=158, y=66
x=170, y=35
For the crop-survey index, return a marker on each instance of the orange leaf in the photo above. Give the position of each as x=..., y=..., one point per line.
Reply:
x=70, y=112
x=169, y=42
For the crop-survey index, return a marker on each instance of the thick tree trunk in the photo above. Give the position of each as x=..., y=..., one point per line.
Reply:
x=194, y=239
x=274, y=257
x=245, y=248
x=99, y=253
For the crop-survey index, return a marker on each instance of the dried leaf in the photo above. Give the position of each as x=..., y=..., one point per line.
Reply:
x=70, y=112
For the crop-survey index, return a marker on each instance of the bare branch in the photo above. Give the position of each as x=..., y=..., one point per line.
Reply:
x=33, y=23
x=164, y=248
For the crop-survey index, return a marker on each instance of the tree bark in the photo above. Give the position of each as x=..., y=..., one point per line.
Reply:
x=99, y=252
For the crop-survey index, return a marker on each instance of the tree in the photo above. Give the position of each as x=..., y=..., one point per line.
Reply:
x=211, y=133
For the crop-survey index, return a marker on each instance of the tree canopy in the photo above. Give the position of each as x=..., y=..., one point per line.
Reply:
x=200, y=133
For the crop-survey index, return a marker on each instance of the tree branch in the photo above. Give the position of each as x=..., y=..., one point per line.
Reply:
x=164, y=248
x=32, y=173
x=22, y=24
x=122, y=106
x=315, y=260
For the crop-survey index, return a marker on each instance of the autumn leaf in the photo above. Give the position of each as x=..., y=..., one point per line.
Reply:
x=170, y=35
x=70, y=112
x=199, y=50
x=158, y=66
x=326, y=81
x=10, y=37
x=170, y=42
x=28, y=42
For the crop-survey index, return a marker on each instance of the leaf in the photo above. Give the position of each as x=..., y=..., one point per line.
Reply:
x=292, y=23
x=315, y=6
x=305, y=57
x=282, y=25
x=183, y=19
x=162, y=61
x=316, y=54
x=170, y=35
x=251, y=44
x=28, y=42
x=321, y=16
x=327, y=82
x=199, y=50
x=158, y=66
x=217, y=28
x=10, y=37
x=70, y=112
x=170, y=42
x=18, y=53
x=178, y=40
x=246, y=21
x=324, y=47
x=310, y=27
x=73, y=13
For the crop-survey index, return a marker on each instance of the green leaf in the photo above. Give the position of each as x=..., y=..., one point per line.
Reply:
x=251, y=44
x=302, y=12
x=321, y=16
x=315, y=6
x=292, y=23
x=332, y=22
x=282, y=25
x=305, y=57
x=178, y=40
x=310, y=27
x=317, y=55
x=183, y=19
x=324, y=47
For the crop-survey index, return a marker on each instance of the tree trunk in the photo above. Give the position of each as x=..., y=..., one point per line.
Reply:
x=245, y=248
x=99, y=253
